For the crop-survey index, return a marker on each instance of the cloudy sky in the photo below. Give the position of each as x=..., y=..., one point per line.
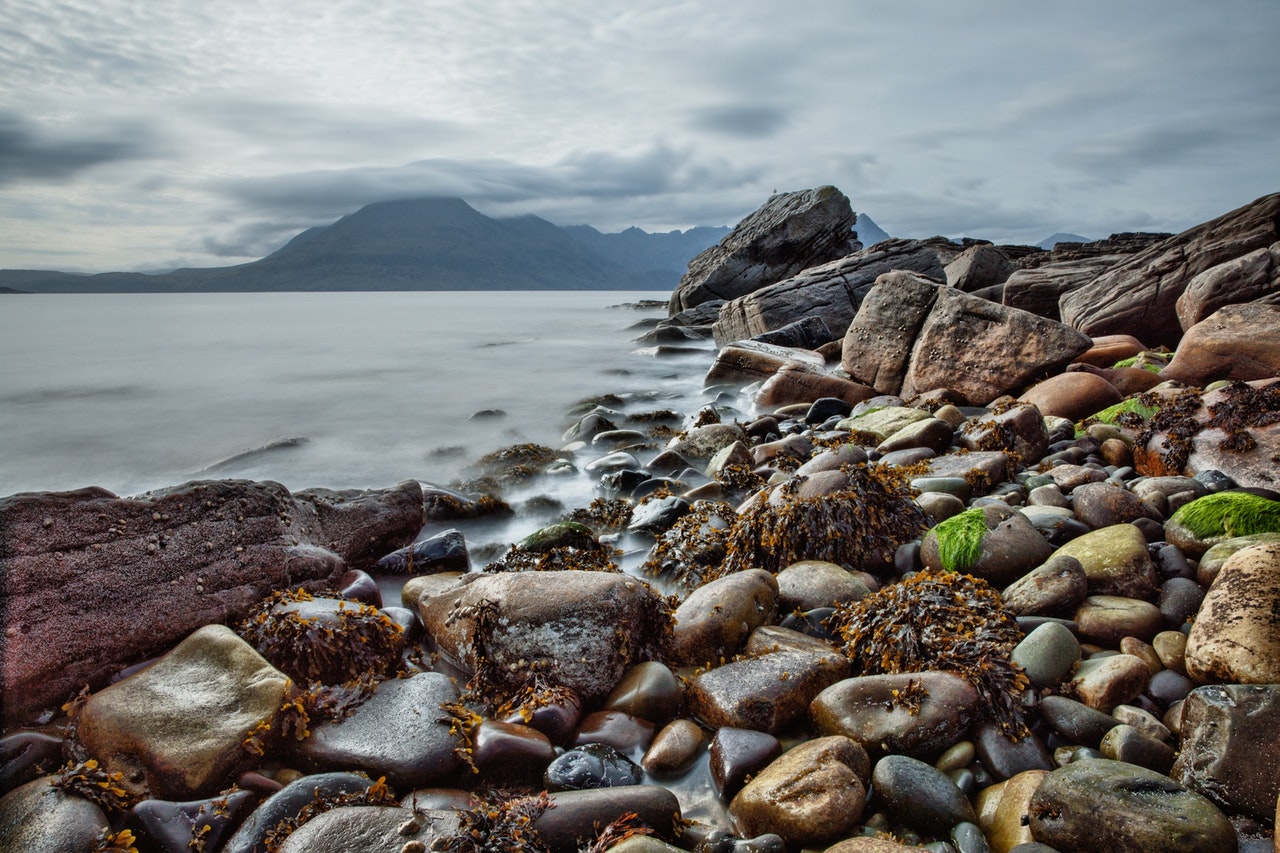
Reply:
x=145, y=134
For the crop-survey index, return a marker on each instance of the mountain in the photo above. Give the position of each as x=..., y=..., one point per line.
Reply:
x=869, y=233
x=418, y=244
x=1061, y=237
x=665, y=256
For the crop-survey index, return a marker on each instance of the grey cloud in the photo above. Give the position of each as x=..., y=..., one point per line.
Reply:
x=30, y=152
x=1119, y=154
x=254, y=239
x=743, y=121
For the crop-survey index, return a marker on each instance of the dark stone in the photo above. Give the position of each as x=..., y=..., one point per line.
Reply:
x=1179, y=601
x=163, y=826
x=621, y=731
x=1075, y=721
x=39, y=818
x=919, y=795
x=446, y=551
x=826, y=407
x=357, y=585
x=509, y=752
x=577, y=816
x=657, y=516
x=592, y=765
x=1005, y=758
x=288, y=803
x=737, y=754
x=25, y=756
x=806, y=333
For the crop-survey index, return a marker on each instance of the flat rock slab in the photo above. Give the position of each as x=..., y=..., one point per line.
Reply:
x=78, y=568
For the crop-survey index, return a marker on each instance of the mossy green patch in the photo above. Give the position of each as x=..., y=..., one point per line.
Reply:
x=1116, y=414
x=960, y=539
x=1137, y=361
x=1229, y=514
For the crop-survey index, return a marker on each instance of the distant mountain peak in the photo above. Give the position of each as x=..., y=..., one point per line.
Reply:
x=1062, y=237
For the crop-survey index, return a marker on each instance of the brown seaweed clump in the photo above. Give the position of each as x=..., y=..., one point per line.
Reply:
x=1242, y=407
x=86, y=779
x=498, y=822
x=691, y=551
x=940, y=621
x=603, y=514
x=331, y=641
x=858, y=526
x=377, y=794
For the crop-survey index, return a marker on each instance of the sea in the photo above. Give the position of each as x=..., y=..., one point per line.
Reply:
x=133, y=392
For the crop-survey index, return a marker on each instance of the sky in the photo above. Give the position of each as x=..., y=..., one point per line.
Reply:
x=153, y=134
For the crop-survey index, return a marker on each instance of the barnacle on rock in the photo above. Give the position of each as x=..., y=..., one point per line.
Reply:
x=940, y=621
x=1229, y=514
x=859, y=526
x=497, y=822
x=331, y=641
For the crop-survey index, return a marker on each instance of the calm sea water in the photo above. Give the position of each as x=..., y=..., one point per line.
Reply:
x=137, y=391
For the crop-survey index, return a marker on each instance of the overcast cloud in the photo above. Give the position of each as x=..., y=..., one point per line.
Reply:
x=138, y=135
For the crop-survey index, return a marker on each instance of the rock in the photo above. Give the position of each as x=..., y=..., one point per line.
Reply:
x=788, y=233
x=577, y=816
x=832, y=291
x=931, y=433
x=648, y=690
x=1105, y=682
x=510, y=752
x=737, y=754
x=917, y=795
x=982, y=469
x=978, y=267
x=1017, y=428
x=289, y=803
x=177, y=730
x=26, y=756
x=715, y=621
x=811, y=793
x=995, y=543
x=917, y=714
x=1075, y=721
x=800, y=382
x=1108, y=349
x=814, y=583
x=1140, y=296
x=982, y=350
x=445, y=551
x=1126, y=743
x=1047, y=654
x=198, y=554
x=369, y=829
x=1057, y=586
x=1106, y=504
x=656, y=515
x=1236, y=342
x=1074, y=395
x=751, y=361
x=674, y=748
x=1005, y=827
x=1097, y=804
x=1105, y=619
x=805, y=333
x=1229, y=750
x=40, y=818
x=399, y=732
x=173, y=827
x=1039, y=289
x=704, y=442
x=592, y=765
x=877, y=345
x=766, y=693
x=869, y=845
x=563, y=624
x=1251, y=278
x=1236, y=635
x=1115, y=561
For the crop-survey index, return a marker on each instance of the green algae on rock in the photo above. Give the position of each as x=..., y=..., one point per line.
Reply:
x=940, y=621
x=1229, y=514
x=960, y=539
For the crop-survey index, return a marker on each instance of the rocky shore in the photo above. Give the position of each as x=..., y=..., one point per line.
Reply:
x=972, y=548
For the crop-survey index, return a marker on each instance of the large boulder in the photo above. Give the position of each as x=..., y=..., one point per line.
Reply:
x=979, y=266
x=1140, y=296
x=577, y=629
x=1229, y=750
x=789, y=233
x=1254, y=276
x=93, y=582
x=1044, y=279
x=832, y=291
x=877, y=344
x=1236, y=635
x=1237, y=342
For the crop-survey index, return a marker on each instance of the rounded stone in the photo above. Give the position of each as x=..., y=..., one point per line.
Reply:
x=1236, y=636
x=869, y=710
x=623, y=732
x=1104, y=504
x=1126, y=743
x=1115, y=560
x=1005, y=758
x=39, y=818
x=1099, y=804
x=810, y=794
x=918, y=795
x=717, y=618
x=1179, y=601
x=739, y=753
x=648, y=690
x=1105, y=619
x=592, y=765
x=1048, y=653
x=510, y=752
x=674, y=748
x=815, y=583
x=1104, y=682
x=1073, y=395
x=1058, y=586
x=1171, y=648
x=1008, y=548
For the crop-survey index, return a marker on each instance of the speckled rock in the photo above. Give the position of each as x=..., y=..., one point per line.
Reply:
x=39, y=818
x=811, y=793
x=1101, y=505
x=1236, y=636
x=1058, y=586
x=1230, y=752
x=177, y=729
x=1115, y=561
x=1097, y=804
x=565, y=623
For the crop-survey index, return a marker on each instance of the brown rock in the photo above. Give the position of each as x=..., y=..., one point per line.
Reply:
x=977, y=267
x=1236, y=635
x=1105, y=504
x=1058, y=586
x=1017, y=428
x=1007, y=826
x=563, y=624
x=1074, y=395
x=716, y=619
x=78, y=567
x=983, y=350
x=1105, y=619
x=1108, y=349
x=1139, y=297
x=877, y=345
x=799, y=382
x=812, y=793
x=751, y=361
x=1254, y=276
x=1105, y=682
x=1115, y=560
x=876, y=711
x=1236, y=342
x=766, y=693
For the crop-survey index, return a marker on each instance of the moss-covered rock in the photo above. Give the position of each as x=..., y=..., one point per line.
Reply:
x=1212, y=519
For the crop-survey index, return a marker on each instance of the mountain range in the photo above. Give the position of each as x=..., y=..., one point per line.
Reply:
x=422, y=244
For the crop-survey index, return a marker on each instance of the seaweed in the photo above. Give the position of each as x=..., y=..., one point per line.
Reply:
x=1229, y=514
x=689, y=554
x=960, y=539
x=114, y=842
x=377, y=794
x=940, y=621
x=498, y=822
x=860, y=525
x=86, y=779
